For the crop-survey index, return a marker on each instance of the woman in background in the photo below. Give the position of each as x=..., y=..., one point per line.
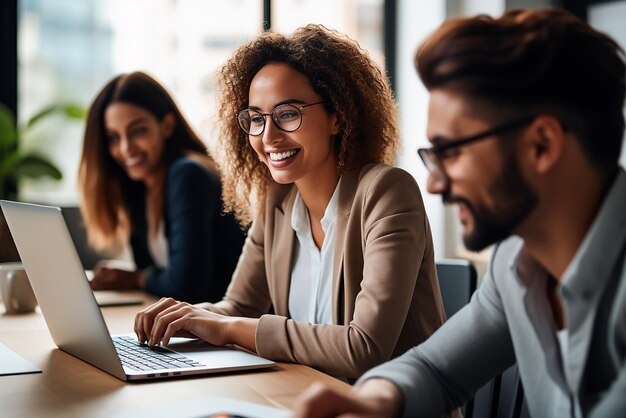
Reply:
x=146, y=179
x=337, y=271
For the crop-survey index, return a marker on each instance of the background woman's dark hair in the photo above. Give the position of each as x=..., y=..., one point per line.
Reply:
x=350, y=83
x=105, y=188
x=535, y=61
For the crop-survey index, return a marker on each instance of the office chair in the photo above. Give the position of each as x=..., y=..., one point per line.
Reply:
x=503, y=396
x=511, y=402
x=457, y=283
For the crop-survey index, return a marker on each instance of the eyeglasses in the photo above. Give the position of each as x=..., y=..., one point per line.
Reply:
x=432, y=157
x=286, y=117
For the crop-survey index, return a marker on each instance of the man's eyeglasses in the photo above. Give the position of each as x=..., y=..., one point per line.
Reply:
x=286, y=117
x=432, y=157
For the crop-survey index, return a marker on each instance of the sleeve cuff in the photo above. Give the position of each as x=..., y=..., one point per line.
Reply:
x=271, y=337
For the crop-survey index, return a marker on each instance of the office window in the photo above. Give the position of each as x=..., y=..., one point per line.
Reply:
x=359, y=19
x=69, y=49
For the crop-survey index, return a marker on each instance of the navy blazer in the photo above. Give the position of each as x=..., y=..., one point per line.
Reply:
x=203, y=244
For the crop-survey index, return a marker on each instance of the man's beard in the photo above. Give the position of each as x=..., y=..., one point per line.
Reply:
x=514, y=199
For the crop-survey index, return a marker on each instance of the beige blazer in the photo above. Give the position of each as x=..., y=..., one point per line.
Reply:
x=385, y=292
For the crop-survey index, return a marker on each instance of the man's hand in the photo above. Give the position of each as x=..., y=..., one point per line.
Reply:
x=376, y=398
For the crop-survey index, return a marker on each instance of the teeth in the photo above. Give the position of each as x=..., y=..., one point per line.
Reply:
x=277, y=156
x=132, y=161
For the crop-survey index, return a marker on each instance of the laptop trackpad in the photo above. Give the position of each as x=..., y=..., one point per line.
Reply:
x=214, y=356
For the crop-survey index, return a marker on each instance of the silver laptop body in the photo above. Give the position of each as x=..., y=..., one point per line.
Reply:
x=70, y=309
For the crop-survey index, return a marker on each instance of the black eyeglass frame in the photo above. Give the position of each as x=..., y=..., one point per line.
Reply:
x=431, y=157
x=271, y=115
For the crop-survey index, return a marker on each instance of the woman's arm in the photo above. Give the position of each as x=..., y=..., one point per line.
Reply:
x=105, y=278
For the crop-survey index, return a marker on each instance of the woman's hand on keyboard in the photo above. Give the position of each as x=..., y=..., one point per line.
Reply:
x=169, y=318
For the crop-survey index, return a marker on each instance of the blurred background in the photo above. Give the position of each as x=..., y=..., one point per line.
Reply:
x=59, y=52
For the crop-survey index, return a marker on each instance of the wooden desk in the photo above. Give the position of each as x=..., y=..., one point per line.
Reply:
x=69, y=387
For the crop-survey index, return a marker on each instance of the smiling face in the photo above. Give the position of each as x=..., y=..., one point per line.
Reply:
x=484, y=177
x=136, y=139
x=308, y=153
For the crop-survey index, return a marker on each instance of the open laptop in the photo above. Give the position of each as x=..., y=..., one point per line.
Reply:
x=74, y=319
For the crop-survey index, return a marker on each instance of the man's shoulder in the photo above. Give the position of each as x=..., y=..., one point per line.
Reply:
x=504, y=256
x=508, y=248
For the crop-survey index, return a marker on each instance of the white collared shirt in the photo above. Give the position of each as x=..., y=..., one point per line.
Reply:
x=310, y=293
x=158, y=247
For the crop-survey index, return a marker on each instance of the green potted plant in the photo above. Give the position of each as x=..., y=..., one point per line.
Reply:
x=16, y=163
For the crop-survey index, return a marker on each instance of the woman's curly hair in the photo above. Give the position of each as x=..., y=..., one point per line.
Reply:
x=351, y=85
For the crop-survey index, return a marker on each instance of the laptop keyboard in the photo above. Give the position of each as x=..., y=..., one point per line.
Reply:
x=140, y=357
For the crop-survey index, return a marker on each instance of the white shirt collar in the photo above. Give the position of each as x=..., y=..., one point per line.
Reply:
x=300, y=215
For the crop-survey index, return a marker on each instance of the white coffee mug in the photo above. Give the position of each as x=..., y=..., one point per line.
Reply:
x=17, y=294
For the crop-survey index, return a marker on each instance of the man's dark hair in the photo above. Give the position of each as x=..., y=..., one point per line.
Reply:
x=535, y=61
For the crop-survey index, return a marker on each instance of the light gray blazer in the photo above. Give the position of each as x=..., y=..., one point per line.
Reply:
x=507, y=320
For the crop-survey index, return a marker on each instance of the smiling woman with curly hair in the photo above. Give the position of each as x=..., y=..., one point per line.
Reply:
x=337, y=271
x=340, y=72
